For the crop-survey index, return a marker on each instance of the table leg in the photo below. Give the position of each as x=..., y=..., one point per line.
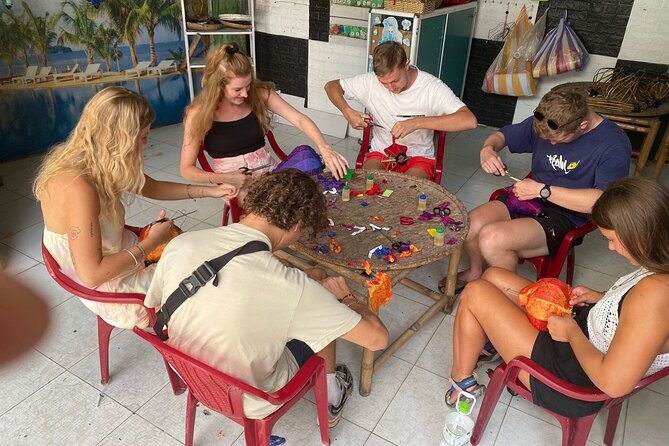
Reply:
x=452, y=279
x=366, y=372
x=662, y=153
x=653, y=127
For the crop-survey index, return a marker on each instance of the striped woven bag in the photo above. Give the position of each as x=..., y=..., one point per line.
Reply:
x=561, y=51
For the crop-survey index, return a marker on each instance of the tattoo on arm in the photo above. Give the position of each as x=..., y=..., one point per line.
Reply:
x=74, y=232
x=91, y=229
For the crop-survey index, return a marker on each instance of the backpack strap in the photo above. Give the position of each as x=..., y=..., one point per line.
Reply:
x=203, y=274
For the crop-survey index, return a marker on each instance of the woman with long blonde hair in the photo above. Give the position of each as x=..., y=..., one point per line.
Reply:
x=230, y=118
x=81, y=184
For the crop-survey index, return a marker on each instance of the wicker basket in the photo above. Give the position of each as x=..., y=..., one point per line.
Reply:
x=415, y=6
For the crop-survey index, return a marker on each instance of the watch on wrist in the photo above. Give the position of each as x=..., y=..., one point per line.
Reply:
x=545, y=192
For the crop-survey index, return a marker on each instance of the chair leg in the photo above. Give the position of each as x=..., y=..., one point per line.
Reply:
x=262, y=433
x=490, y=399
x=191, y=405
x=104, y=333
x=250, y=436
x=575, y=431
x=321, y=395
x=612, y=423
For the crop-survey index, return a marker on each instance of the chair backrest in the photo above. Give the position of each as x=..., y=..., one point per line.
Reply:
x=141, y=66
x=75, y=68
x=31, y=71
x=92, y=68
x=438, y=155
x=221, y=392
x=165, y=63
x=43, y=72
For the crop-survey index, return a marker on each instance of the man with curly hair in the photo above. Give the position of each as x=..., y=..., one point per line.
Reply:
x=265, y=319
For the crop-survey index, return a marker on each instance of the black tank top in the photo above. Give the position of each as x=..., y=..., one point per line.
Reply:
x=234, y=138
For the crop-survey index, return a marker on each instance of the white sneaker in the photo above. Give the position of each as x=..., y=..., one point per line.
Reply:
x=345, y=381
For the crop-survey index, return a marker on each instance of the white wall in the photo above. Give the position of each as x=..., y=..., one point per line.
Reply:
x=283, y=18
x=647, y=35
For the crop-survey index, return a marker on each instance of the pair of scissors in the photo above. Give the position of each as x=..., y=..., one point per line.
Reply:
x=248, y=171
x=401, y=158
x=442, y=212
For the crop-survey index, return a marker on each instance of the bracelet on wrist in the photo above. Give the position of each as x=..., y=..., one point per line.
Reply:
x=188, y=191
x=141, y=250
x=134, y=257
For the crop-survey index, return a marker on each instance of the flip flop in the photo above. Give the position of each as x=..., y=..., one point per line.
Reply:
x=459, y=286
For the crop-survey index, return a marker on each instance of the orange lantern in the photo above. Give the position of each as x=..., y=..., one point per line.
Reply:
x=543, y=299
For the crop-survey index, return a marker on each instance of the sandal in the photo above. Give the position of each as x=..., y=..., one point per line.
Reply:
x=469, y=384
x=488, y=354
x=459, y=286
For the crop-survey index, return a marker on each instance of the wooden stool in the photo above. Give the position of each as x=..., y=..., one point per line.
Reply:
x=662, y=153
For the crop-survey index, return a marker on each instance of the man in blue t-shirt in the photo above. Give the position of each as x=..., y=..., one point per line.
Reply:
x=576, y=153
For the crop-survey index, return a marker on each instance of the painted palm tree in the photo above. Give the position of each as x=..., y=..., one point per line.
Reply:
x=41, y=31
x=154, y=13
x=79, y=17
x=11, y=43
x=105, y=44
x=21, y=37
x=128, y=27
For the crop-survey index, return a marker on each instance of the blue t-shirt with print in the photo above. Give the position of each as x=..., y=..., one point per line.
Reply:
x=593, y=160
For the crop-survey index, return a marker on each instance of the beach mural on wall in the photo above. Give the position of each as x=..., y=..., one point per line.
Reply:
x=55, y=56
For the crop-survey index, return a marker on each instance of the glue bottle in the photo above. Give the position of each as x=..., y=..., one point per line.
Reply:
x=439, y=236
x=459, y=425
x=346, y=193
x=370, y=182
x=422, y=202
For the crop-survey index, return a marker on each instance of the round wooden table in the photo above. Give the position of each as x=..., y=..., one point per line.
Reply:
x=385, y=212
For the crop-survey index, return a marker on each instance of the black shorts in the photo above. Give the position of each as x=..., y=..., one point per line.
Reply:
x=559, y=359
x=555, y=225
x=301, y=351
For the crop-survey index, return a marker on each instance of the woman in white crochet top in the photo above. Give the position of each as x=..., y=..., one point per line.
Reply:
x=616, y=338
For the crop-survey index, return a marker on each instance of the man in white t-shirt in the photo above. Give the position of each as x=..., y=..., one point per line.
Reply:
x=405, y=106
x=263, y=320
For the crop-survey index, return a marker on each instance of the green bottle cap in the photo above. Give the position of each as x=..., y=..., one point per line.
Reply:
x=346, y=186
x=440, y=229
x=464, y=407
x=370, y=177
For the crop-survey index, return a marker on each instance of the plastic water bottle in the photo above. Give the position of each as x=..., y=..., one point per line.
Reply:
x=459, y=425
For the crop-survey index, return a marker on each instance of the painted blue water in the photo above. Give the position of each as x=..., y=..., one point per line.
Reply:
x=33, y=120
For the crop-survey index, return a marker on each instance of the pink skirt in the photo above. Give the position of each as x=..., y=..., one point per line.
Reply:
x=251, y=160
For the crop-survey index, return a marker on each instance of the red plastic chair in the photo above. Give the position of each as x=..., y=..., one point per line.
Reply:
x=547, y=266
x=574, y=430
x=439, y=155
x=105, y=329
x=223, y=393
x=233, y=209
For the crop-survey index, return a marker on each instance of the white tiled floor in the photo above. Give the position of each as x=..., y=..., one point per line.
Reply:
x=49, y=395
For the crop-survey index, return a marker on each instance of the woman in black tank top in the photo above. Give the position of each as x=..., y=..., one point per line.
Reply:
x=230, y=118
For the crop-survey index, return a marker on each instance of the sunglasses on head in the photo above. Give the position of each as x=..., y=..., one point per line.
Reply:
x=553, y=125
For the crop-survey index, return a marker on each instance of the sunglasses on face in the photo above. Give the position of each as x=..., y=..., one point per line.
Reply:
x=553, y=125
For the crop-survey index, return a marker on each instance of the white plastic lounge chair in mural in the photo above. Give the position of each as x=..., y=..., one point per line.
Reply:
x=141, y=68
x=41, y=76
x=66, y=75
x=92, y=71
x=31, y=71
x=165, y=66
